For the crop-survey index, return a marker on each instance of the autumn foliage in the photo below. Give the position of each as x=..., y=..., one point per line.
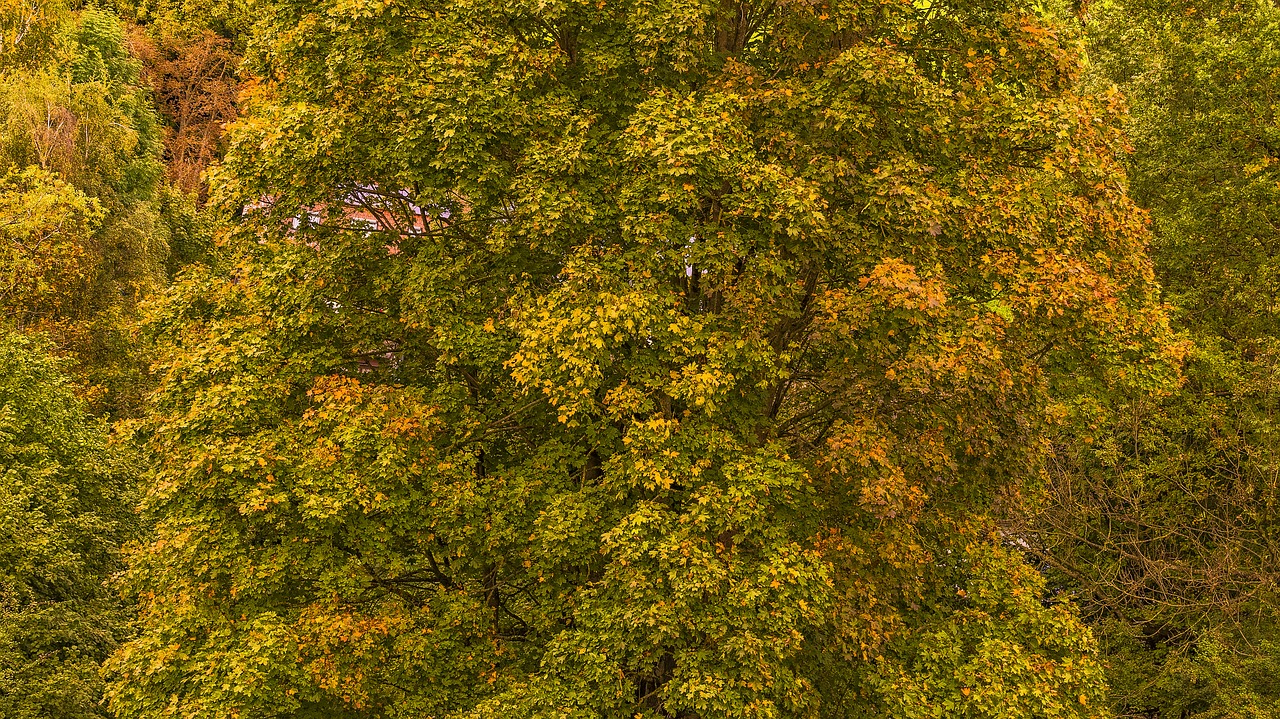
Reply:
x=657, y=359
x=195, y=84
x=713, y=343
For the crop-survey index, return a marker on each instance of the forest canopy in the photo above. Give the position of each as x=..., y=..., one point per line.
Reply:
x=680, y=359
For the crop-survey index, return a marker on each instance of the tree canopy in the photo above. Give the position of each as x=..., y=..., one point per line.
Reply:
x=1166, y=525
x=659, y=359
x=64, y=513
x=86, y=224
x=696, y=352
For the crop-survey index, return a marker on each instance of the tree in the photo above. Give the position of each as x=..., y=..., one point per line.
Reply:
x=694, y=354
x=27, y=31
x=64, y=512
x=188, y=21
x=195, y=83
x=46, y=226
x=80, y=154
x=1163, y=521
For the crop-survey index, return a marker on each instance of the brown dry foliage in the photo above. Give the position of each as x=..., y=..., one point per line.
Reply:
x=195, y=85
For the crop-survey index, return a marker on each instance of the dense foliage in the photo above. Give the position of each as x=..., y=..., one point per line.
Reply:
x=699, y=348
x=85, y=231
x=1167, y=525
x=195, y=85
x=64, y=513
x=638, y=358
x=84, y=238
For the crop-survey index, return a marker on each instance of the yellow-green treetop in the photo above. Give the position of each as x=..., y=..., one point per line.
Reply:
x=84, y=224
x=730, y=326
